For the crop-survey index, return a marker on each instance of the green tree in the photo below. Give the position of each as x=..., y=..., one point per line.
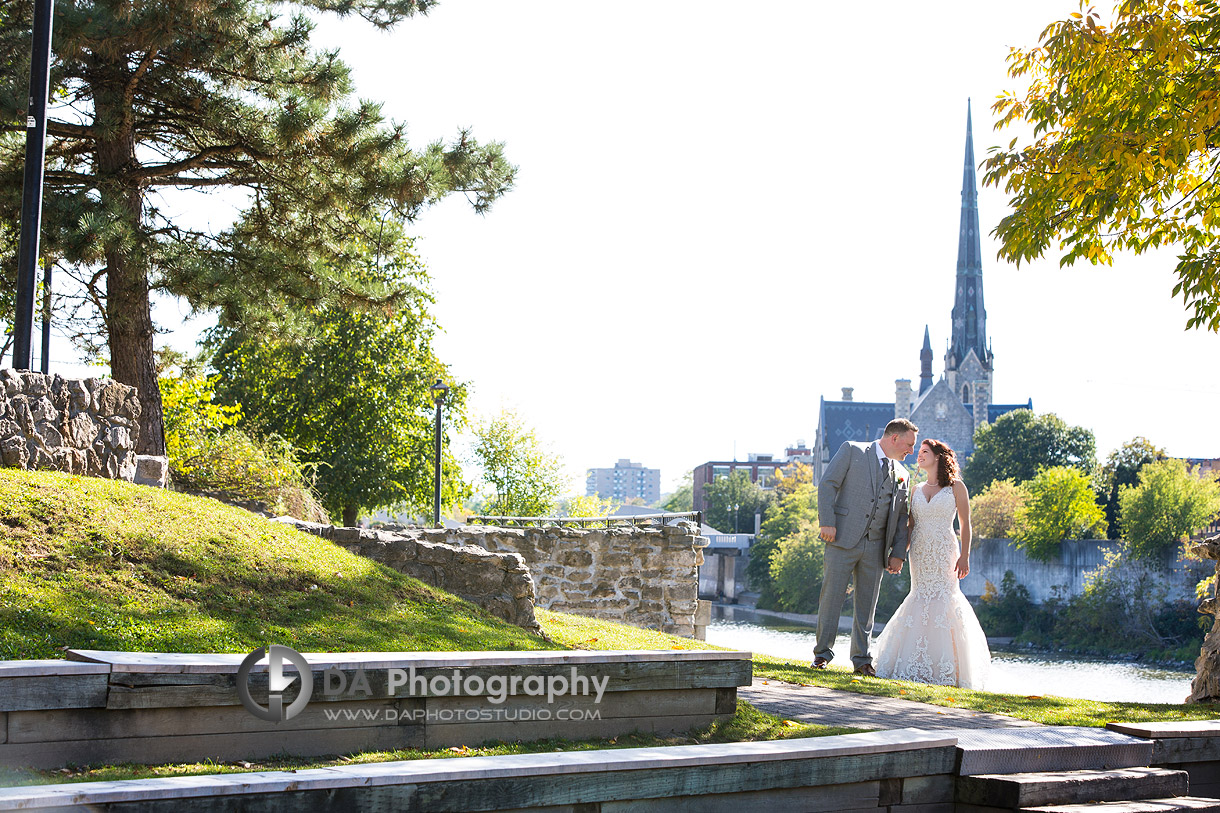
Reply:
x=525, y=479
x=993, y=513
x=1122, y=469
x=683, y=498
x=1020, y=443
x=788, y=516
x=193, y=97
x=797, y=569
x=1061, y=505
x=353, y=398
x=792, y=477
x=1166, y=506
x=1123, y=151
x=733, y=501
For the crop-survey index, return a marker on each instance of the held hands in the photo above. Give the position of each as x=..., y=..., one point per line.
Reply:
x=963, y=567
x=894, y=566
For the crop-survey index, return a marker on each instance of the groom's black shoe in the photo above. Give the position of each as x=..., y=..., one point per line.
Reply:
x=820, y=663
x=867, y=670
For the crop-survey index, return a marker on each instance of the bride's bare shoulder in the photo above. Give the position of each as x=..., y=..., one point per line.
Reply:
x=959, y=488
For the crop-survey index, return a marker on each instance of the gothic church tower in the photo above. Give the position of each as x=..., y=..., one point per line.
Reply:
x=968, y=361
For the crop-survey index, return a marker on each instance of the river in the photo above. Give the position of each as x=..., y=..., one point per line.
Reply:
x=1011, y=672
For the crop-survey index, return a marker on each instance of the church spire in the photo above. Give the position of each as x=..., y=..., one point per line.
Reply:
x=925, y=363
x=969, y=317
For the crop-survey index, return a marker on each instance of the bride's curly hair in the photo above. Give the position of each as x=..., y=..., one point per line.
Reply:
x=947, y=469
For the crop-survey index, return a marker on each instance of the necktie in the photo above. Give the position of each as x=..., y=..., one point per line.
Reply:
x=885, y=469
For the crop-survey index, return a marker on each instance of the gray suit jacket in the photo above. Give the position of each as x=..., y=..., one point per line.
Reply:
x=845, y=497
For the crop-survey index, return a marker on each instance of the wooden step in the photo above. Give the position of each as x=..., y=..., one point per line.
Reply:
x=1020, y=790
x=1193, y=804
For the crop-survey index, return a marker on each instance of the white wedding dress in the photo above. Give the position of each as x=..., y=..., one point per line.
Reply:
x=934, y=636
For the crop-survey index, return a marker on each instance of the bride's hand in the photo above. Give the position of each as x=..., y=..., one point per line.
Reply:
x=963, y=567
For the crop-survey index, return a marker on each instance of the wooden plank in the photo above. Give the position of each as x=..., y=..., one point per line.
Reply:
x=1185, y=749
x=1061, y=787
x=103, y=724
x=219, y=747
x=1168, y=730
x=854, y=796
x=152, y=690
x=447, y=735
x=166, y=662
x=570, y=789
x=53, y=692
x=923, y=790
x=620, y=704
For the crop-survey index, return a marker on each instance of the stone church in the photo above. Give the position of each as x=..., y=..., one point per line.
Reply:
x=951, y=408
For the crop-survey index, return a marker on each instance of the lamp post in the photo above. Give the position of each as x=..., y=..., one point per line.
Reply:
x=31, y=191
x=439, y=390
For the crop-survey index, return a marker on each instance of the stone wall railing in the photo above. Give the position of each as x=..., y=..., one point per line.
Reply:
x=499, y=582
x=644, y=576
x=88, y=426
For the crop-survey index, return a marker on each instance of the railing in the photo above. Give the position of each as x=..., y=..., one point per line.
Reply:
x=631, y=520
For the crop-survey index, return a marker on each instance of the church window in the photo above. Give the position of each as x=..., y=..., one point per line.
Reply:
x=965, y=393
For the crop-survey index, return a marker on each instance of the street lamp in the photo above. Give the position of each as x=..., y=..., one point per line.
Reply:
x=439, y=390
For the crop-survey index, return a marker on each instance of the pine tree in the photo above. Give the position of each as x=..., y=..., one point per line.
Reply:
x=203, y=95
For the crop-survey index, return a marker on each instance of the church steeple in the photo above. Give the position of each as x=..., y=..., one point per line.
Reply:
x=925, y=363
x=969, y=316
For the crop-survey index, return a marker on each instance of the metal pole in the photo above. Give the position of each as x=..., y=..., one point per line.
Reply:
x=436, y=495
x=31, y=193
x=46, y=318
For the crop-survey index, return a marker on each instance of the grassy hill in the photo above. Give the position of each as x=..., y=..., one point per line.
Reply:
x=87, y=563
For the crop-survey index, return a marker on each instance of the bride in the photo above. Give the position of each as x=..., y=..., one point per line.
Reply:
x=934, y=636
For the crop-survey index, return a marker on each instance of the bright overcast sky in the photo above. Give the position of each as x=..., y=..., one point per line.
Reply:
x=726, y=210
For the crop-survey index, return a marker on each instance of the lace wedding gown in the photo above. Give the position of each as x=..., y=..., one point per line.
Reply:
x=934, y=636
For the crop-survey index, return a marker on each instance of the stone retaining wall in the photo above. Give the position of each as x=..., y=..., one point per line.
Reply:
x=646, y=576
x=87, y=426
x=498, y=582
x=1068, y=572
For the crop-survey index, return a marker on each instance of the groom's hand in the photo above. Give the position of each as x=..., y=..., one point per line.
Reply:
x=895, y=565
x=827, y=532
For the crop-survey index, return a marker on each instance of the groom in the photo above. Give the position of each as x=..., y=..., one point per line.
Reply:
x=862, y=504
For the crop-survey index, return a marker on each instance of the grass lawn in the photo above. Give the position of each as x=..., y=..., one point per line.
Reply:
x=89, y=563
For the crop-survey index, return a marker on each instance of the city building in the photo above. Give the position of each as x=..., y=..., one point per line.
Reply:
x=761, y=469
x=953, y=407
x=627, y=480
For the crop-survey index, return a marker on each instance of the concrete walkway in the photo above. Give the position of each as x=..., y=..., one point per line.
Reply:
x=814, y=704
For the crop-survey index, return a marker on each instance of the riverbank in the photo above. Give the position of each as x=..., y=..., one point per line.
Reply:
x=811, y=620
x=1012, y=671
x=1002, y=643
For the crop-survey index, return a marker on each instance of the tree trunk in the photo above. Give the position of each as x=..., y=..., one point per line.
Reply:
x=351, y=514
x=128, y=312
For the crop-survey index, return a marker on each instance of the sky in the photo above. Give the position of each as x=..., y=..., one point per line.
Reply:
x=725, y=211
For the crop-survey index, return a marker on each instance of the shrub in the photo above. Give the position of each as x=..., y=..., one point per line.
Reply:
x=993, y=512
x=1008, y=610
x=796, y=571
x=207, y=454
x=1169, y=503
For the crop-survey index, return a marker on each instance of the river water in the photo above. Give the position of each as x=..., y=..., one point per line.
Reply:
x=1011, y=672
